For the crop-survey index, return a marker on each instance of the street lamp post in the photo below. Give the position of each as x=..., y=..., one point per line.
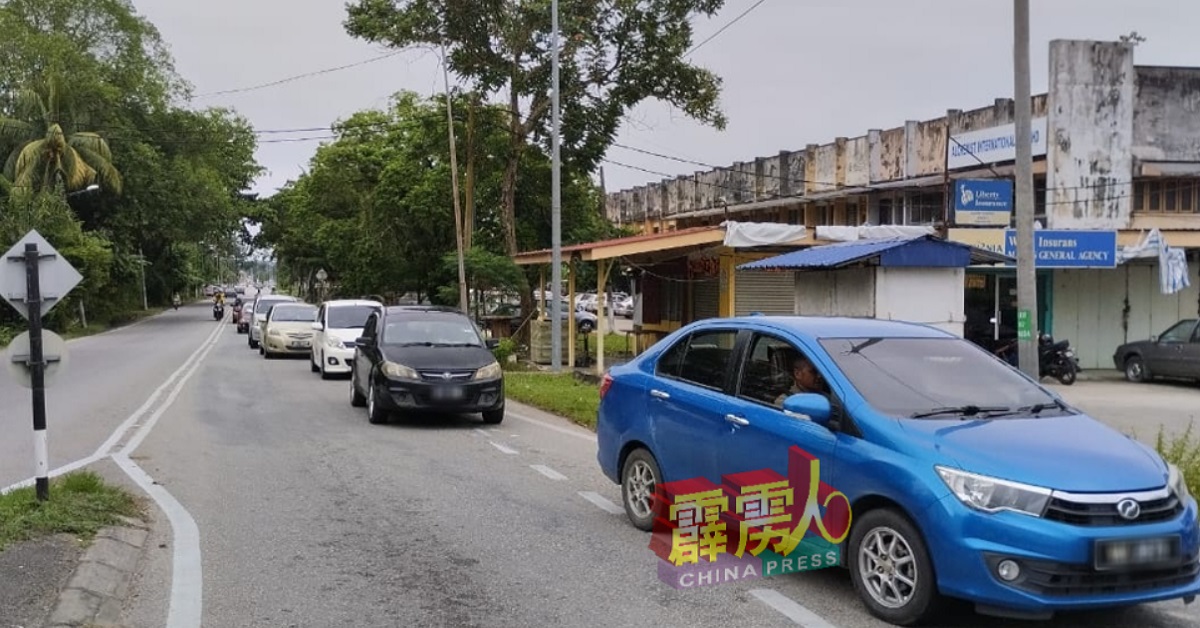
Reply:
x=555, y=200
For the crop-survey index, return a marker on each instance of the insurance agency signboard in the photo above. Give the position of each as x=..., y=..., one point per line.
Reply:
x=1052, y=248
x=983, y=202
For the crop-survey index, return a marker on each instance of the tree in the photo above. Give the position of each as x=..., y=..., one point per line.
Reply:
x=374, y=207
x=616, y=55
x=42, y=155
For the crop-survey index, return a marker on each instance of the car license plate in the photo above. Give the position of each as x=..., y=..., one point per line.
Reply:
x=447, y=393
x=299, y=345
x=1123, y=554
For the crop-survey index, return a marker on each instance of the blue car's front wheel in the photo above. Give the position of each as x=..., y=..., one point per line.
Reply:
x=890, y=568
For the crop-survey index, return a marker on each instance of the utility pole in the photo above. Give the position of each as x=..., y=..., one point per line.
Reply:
x=458, y=219
x=1027, y=323
x=555, y=201
x=142, y=263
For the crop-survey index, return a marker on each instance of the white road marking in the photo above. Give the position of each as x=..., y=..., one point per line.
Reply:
x=186, y=602
x=187, y=582
x=548, y=472
x=106, y=448
x=577, y=433
x=503, y=448
x=602, y=502
x=789, y=608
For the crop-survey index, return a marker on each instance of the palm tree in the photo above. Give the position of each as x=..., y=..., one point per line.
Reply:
x=43, y=154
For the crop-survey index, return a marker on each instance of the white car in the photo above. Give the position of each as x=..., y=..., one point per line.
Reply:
x=338, y=324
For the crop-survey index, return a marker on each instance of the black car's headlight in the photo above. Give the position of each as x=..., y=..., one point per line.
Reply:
x=399, y=371
x=490, y=371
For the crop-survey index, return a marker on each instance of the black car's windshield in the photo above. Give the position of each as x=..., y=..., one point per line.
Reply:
x=452, y=331
x=349, y=316
x=294, y=314
x=936, y=377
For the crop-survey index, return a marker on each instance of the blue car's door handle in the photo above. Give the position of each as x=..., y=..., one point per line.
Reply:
x=736, y=420
x=660, y=394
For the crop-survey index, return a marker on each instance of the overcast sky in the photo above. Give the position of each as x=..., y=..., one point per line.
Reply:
x=796, y=71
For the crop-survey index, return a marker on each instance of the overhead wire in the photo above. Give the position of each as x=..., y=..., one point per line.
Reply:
x=297, y=77
x=725, y=27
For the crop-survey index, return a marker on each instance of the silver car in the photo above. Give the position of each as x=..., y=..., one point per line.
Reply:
x=261, y=305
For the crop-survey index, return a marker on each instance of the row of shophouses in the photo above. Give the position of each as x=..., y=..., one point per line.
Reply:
x=896, y=224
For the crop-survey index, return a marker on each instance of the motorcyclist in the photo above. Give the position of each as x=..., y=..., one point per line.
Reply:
x=175, y=300
x=219, y=298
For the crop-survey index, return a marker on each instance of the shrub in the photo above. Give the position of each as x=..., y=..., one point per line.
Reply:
x=1182, y=451
x=506, y=348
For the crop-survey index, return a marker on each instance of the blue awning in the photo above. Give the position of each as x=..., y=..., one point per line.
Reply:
x=925, y=251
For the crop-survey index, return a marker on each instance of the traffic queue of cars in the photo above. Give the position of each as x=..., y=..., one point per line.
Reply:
x=399, y=359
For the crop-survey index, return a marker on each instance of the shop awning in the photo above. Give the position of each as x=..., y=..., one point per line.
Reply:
x=681, y=241
x=916, y=252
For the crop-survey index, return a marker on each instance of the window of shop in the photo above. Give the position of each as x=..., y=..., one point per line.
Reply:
x=1167, y=196
x=926, y=209
x=888, y=214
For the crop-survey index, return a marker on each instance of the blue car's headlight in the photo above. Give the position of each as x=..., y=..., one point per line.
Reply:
x=1178, y=483
x=993, y=494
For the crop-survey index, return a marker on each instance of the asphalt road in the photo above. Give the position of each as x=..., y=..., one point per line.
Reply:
x=310, y=516
x=107, y=378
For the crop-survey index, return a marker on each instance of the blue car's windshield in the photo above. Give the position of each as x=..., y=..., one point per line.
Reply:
x=934, y=376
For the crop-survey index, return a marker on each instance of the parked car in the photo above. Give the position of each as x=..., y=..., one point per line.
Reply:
x=965, y=478
x=624, y=307
x=1174, y=353
x=585, y=322
x=337, y=326
x=287, y=329
x=425, y=358
x=261, y=305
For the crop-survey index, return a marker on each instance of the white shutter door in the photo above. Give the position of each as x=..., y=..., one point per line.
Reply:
x=765, y=292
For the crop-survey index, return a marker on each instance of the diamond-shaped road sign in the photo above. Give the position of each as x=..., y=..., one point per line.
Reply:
x=57, y=276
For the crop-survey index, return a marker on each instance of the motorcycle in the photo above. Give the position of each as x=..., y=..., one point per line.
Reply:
x=1055, y=359
x=218, y=311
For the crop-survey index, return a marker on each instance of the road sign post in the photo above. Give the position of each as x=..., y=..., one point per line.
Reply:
x=33, y=292
x=37, y=369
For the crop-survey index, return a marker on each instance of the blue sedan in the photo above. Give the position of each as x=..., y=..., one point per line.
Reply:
x=960, y=476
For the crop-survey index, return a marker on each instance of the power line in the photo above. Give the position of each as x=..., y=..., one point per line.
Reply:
x=299, y=76
x=727, y=25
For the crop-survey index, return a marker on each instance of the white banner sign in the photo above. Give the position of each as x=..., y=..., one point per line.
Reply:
x=989, y=146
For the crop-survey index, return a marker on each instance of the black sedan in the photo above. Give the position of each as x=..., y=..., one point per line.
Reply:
x=1175, y=354
x=425, y=359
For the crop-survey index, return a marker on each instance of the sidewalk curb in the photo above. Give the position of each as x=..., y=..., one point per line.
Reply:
x=95, y=594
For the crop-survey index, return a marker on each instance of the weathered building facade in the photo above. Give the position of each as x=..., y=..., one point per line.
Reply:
x=1116, y=150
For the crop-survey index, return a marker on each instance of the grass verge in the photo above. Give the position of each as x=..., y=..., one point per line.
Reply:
x=558, y=393
x=1182, y=451
x=80, y=503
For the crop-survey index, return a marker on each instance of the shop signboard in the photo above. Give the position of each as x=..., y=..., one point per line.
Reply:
x=984, y=202
x=974, y=149
x=1068, y=248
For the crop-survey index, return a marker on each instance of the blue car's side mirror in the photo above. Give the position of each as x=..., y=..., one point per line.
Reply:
x=811, y=406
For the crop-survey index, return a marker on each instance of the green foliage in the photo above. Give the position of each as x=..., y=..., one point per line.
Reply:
x=169, y=206
x=558, y=393
x=375, y=208
x=506, y=348
x=1182, y=451
x=80, y=503
x=614, y=56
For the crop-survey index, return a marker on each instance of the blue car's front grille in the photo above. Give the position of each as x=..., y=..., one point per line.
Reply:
x=1105, y=514
x=1059, y=579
